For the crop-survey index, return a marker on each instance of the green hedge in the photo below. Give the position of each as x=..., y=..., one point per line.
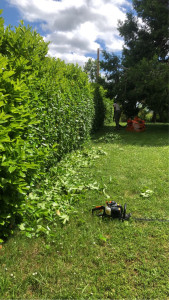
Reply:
x=65, y=106
x=17, y=158
x=46, y=110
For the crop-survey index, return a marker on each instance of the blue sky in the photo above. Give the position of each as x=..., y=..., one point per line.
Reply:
x=75, y=28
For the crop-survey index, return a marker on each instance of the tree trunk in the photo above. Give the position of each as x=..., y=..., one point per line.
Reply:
x=154, y=117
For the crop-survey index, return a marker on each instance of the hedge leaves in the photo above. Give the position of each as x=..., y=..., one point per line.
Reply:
x=46, y=111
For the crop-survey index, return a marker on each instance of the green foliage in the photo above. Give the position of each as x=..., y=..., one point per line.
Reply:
x=25, y=49
x=64, y=106
x=108, y=138
x=20, y=158
x=155, y=16
x=17, y=158
x=109, y=113
x=151, y=85
x=99, y=95
x=46, y=111
x=141, y=75
x=145, y=114
x=111, y=65
x=145, y=83
x=1, y=27
x=90, y=68
x=146, y=68
x=153, y=32
x=54, y=197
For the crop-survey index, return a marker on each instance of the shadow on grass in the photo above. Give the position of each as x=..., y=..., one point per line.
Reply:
x=155, y=135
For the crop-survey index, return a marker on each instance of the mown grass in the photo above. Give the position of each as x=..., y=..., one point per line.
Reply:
x=91, y=258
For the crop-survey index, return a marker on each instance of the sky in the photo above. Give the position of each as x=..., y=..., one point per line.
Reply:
x=74, y=28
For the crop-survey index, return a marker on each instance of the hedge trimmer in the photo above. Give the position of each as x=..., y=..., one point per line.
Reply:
x=115, y=211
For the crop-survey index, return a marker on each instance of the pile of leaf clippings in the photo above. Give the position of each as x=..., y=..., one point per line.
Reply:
x=108, y=138
x=55, y=195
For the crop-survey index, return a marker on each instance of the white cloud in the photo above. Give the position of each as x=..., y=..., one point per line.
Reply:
x=74, y=27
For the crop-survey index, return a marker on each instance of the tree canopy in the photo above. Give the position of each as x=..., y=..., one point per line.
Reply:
x=141, y=74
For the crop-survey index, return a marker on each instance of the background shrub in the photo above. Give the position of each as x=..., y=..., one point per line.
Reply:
x=109, y=110
x=99, y=96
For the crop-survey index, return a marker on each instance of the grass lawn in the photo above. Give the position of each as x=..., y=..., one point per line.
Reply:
x=91, y=258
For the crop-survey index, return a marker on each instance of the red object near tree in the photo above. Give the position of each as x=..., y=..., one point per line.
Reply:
x=137, y=125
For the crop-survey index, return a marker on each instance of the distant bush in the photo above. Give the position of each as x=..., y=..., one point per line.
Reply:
x=99, y=96
x=109, y=111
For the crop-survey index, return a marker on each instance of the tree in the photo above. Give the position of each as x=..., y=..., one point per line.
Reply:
x=151, y=81
x=90, y=68
x=145, y=32
x=135, y=39
x=111, y=65
x=142, y=74
x=155, y=17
